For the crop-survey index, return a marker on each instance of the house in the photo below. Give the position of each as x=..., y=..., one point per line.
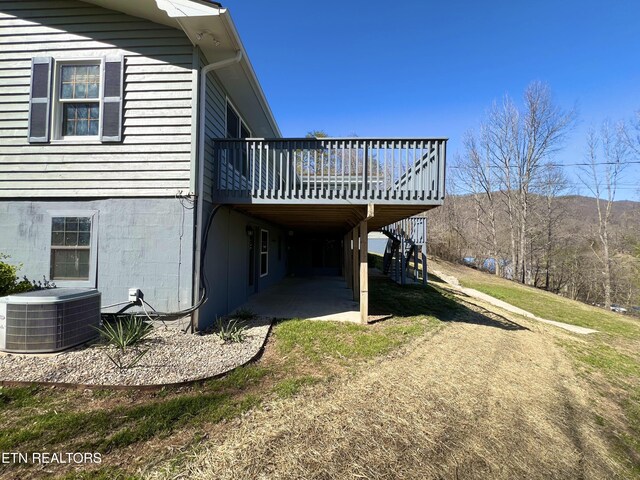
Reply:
x=138, y=150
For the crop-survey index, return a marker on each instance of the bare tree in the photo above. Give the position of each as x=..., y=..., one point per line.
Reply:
x=498, y=133
x=447, y=228
x=607, y=154
x=480, y=179
x=552, y=184
x=631, y=134
x=544, y=129
x=520, y=143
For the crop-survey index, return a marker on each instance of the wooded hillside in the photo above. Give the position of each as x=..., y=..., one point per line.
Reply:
x=563, y=250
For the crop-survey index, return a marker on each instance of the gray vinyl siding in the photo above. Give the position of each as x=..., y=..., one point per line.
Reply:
x=154, y=156
x=227, y=263
x=215, y=127
x=215, y=114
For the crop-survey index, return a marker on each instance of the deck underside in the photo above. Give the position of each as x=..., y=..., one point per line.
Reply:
x=337, y=219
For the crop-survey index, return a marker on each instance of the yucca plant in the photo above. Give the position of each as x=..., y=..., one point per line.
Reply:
x=125, y=332
x=232, y=331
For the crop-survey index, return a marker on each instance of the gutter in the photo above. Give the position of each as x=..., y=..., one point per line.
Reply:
x=202, y=104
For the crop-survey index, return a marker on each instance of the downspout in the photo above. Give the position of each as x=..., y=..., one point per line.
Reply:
x=202, y=93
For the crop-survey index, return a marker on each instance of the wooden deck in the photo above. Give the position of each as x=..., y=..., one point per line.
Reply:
x=330, y=171
x=346, y=187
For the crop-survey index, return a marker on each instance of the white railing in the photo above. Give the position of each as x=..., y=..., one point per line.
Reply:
x=347, y=170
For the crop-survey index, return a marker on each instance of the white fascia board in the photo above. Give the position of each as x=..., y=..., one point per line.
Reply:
x=188, y=8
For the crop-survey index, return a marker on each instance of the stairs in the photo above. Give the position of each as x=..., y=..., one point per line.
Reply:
x=407, y=242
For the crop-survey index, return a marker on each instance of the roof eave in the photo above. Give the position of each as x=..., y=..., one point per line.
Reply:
x=195, y=17
x=226, y=17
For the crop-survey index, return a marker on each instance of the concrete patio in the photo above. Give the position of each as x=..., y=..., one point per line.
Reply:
x=313, y=298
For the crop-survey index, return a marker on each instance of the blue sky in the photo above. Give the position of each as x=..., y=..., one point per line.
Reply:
x=427, y=68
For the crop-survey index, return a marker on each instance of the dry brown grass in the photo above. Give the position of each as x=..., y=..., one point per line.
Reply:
x=476, y=400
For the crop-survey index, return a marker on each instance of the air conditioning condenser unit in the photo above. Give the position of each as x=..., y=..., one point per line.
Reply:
x=46, y=321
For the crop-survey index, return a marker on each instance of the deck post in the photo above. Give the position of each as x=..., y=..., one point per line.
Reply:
x=364, y=273
x=425, y=274
x=403, y=263
x=355, y=264
x=398, y=262
x=345, y=259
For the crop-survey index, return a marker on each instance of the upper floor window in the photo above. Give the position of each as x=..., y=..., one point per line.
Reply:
x=76, y=99
x=236, y=128
x=79, y=100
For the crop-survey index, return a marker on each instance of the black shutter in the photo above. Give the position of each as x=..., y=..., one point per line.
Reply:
x=112, y=93
x=40, y=100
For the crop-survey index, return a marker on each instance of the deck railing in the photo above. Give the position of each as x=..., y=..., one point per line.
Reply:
x=342, y=170
x=413, y=230
x=407, y=240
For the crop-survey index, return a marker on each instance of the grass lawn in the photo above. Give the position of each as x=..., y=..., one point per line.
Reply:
x=132, y=429
x=609, y=360
x=551, y=306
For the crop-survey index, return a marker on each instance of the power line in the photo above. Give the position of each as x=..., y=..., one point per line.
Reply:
x=589, y=164
x=569, y=164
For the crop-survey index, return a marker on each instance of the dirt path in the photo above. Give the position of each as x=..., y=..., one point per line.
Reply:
x=476, y=400
x=454, y=284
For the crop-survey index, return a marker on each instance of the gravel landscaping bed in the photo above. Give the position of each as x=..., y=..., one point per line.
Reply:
x=173, y=357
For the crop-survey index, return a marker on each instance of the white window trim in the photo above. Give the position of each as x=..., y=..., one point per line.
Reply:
x=247, y=165
x=56, y=103
x=93, y=245
x=264, y=253
x=228, y=104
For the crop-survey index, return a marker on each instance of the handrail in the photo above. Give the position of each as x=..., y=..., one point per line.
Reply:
x=320, y=139
x=337, y=169
x=411, y=230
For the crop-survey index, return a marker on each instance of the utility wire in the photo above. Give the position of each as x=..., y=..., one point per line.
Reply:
x=634, y=162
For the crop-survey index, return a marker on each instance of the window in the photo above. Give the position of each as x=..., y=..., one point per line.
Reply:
x=70, y=248
x=76, y=99
x=244, y=131
x=233, y=123
x=79, y=100
x=264, y=253
x=236, y=128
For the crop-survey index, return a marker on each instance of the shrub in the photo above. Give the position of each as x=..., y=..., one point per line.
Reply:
x=231, y=331
x=10, y=283
x=124, y=333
